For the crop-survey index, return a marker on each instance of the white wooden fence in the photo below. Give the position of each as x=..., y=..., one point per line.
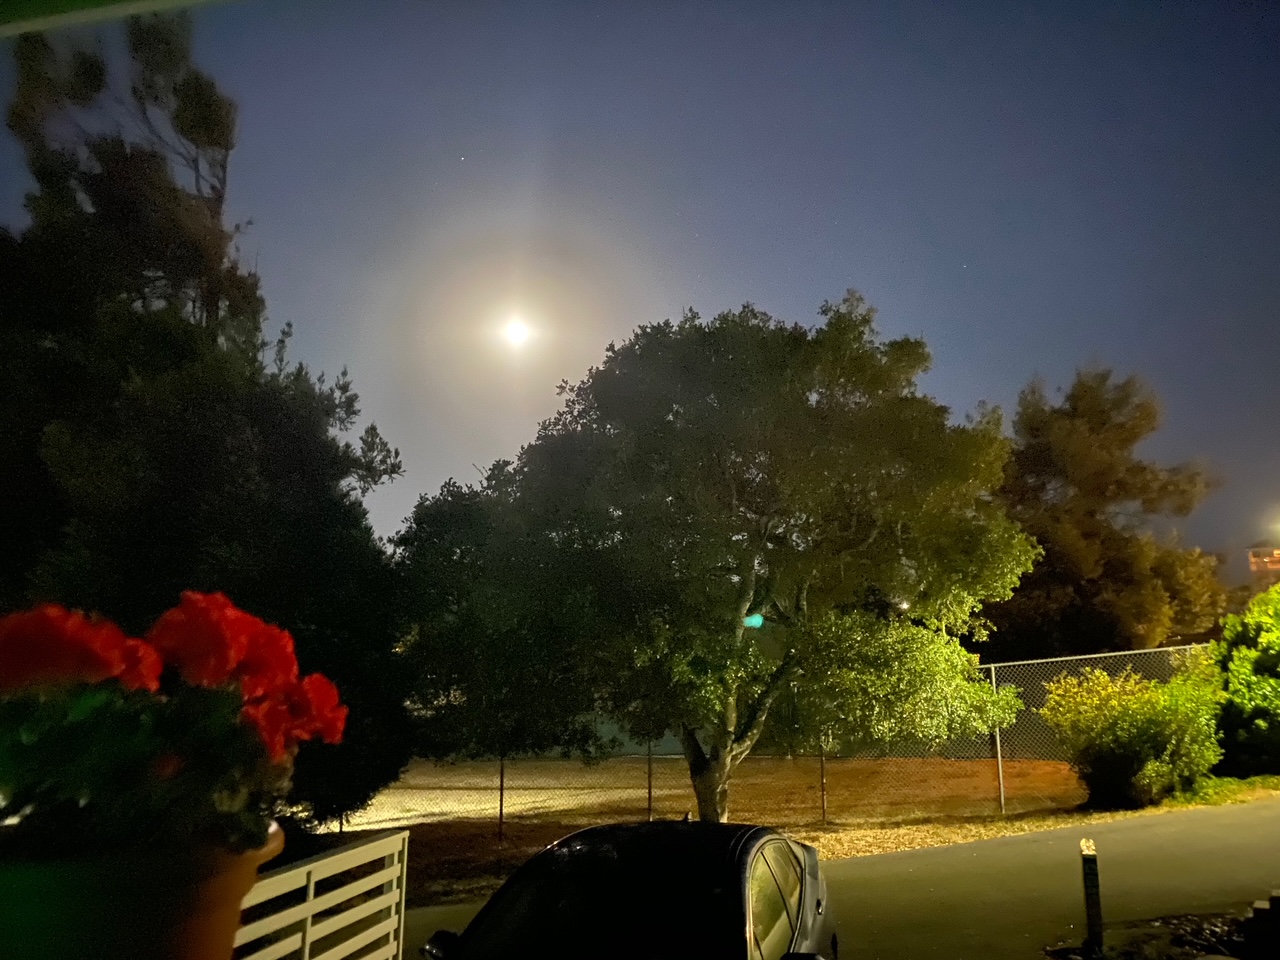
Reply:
x=324, y=916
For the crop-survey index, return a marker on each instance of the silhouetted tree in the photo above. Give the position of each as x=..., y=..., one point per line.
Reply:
x=147, y=443
x=1076, y=483
x=498, y=618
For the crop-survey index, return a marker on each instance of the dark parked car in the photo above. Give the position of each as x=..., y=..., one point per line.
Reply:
x=655, y=891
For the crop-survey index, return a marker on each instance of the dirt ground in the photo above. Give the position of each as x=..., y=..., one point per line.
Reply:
x=451, y=811
x=765, y=789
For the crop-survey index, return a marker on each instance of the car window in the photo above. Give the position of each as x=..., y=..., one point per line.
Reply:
x=786, y=871
x=771, y=930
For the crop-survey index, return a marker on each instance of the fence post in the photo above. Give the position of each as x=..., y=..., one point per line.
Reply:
x=822, y=777
x=502, y=793
x=386, y=913
x=305, y=946
x=999, y=756
x=400, y=882
x=649, y=766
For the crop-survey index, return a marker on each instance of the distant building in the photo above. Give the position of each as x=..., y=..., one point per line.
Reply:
x=1264, y=565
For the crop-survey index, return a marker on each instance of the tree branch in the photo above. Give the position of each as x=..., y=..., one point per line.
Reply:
x=693, y=752
x=745, y=739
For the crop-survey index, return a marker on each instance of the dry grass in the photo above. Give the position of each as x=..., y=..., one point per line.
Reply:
x=451, y=811
x=772, y=790
x=873, y=806
x=839, y=842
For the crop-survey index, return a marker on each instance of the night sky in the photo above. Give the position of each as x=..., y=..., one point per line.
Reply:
x=1031, y=187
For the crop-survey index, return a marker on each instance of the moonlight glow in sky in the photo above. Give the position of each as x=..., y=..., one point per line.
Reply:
x=516, y=332
x=1030, y=187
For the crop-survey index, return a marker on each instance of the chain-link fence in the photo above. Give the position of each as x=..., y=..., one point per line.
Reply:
x=1020, y=769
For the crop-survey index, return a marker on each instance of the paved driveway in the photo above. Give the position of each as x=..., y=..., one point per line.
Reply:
x=1005, y=899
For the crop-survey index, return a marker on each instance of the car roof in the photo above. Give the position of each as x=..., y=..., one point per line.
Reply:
x=709, y=842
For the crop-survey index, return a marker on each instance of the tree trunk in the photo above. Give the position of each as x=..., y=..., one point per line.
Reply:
x=711, y=788
x=709, y=774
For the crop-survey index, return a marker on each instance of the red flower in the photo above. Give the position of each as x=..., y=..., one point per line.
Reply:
x=205, y=637
x=52, y=645
x=299, y=712
x=324, y=714
x=142, y=666
x=269, y=663
x=273, y=721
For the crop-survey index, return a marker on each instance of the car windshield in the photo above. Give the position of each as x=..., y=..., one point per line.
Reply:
x=590, y=902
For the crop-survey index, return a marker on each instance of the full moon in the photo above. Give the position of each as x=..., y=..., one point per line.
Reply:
x=516, y=332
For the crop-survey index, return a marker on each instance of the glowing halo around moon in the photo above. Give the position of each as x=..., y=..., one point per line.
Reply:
x=517, y=333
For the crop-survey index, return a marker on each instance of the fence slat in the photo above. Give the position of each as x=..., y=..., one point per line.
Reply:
x=389, y=850
x=270, y=886
x=390, y=951
x=276, y=950
x=322, y=928
x=345, y=860
x=348, y=947
x=276, y=921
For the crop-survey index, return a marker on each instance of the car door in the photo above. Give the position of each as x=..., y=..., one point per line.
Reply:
x=773, y=906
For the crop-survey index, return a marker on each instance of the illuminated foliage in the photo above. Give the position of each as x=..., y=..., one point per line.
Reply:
x=709, y=471
x=1135, y=741
x=1249, y=654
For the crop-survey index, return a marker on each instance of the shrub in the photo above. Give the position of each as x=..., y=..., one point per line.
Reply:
x=1135, y=741
x=1249, y=656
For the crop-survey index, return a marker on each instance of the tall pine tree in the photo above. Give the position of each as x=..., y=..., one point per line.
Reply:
x=1107, y=579
x=148, y=442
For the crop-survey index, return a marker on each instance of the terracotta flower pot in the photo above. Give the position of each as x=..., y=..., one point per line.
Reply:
x=183, y=905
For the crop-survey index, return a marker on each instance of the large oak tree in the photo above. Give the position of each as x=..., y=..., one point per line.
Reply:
x=707, y=473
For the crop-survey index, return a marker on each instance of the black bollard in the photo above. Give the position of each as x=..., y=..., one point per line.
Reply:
x=1092, y=899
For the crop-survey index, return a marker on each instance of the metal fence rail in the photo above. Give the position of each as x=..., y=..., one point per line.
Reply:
x=1022, y=768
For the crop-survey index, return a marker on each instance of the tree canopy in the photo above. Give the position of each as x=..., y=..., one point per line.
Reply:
x=707, y=472
x=148, y=443
x=497, y=616
x=1076, y=483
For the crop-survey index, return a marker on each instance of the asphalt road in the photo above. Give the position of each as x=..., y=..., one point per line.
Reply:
x=1006, y=899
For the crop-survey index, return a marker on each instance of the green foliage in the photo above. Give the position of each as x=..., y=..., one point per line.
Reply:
x=146, y=445
x=707, y=471
x=1076, y=484
x=1210, y=790
x=82, y=762
x=886, y=680
x=1135, y=741
x=1249, y=655
x=494, y=614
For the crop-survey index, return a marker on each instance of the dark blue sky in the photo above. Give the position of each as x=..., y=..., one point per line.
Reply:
x=1031, y=187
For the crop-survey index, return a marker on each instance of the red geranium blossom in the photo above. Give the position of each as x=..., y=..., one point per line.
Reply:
x=324, y=715
x=269, y=662
x=301, y=712
x=205, y=636
x=142, y=666
x=53, y=645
